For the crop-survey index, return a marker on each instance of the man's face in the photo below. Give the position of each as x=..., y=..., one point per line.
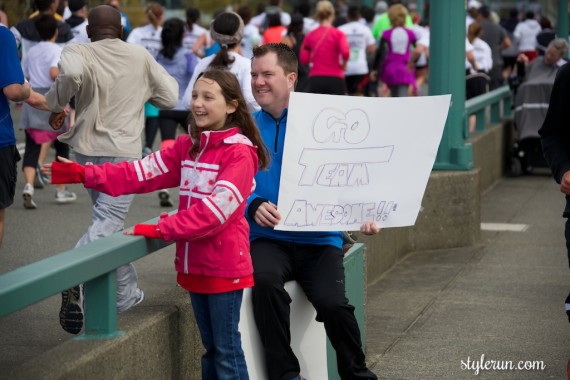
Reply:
x=270, y=84
x=552, y=55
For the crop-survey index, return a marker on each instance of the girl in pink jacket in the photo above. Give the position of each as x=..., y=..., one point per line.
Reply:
x=214, y=167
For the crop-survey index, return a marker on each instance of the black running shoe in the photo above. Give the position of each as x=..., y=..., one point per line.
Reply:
x=71, y=312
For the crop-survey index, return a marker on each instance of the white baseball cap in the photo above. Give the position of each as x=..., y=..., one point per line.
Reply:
x=473, y=4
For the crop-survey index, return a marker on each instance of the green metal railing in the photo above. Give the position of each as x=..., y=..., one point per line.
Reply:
x=93, y=264
x=499, y=101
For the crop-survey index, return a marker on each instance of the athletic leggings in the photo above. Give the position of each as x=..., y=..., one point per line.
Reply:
x=32, y=153
x=167, y=121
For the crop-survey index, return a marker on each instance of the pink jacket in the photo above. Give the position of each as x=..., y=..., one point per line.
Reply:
x=326, y=49
x=210, y=229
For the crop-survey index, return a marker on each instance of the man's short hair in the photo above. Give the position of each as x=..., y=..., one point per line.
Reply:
x=43, y=5
x=46, y=25
x=485, y=11
x=286, y=58
x=353, y=12
x=76, y=5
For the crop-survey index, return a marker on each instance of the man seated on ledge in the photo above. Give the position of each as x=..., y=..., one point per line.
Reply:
x=313, y=259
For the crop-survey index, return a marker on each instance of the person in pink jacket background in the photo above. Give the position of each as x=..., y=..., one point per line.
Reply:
x=326, y=51
x=214, y=166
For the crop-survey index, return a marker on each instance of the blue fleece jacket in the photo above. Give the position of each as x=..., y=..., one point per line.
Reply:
x=267, y=186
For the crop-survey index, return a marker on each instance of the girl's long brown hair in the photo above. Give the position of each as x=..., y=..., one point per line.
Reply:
x=241, y=118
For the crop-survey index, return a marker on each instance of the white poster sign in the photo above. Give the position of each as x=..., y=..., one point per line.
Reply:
x=352, y=159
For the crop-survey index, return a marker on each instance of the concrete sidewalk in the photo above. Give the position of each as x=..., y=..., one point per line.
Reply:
x=444, y=314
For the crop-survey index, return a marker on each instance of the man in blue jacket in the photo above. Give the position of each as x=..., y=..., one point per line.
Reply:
x=314, y=259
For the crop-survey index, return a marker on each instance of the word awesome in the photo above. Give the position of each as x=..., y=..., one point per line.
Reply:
x=304, y=214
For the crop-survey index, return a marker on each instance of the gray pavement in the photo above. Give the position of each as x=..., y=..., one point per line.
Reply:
x=501, y=299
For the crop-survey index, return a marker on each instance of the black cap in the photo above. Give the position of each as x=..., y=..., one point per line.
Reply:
x=75, y=5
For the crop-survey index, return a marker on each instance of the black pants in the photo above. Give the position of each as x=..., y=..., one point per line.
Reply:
x=167, y=121
x=326, y=85
x=9, y=158
x=567, y=236
x=32, y=152
x=319, y=271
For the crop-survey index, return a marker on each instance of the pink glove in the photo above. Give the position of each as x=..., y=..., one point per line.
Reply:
x=67, y=173
x=147, y=230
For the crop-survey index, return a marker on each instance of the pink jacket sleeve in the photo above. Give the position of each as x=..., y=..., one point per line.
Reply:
x=160, y=170
x=344, y=46
x=208, y=216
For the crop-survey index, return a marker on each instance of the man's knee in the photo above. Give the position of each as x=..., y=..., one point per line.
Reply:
x=332, y=307
x=266, y=283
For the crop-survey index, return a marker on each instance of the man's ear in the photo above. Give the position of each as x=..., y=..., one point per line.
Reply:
x=292, y=80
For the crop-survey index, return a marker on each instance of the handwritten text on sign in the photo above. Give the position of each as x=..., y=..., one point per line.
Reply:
x=352, y=159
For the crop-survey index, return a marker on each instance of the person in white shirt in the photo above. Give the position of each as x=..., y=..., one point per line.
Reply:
x=472, y=10
x=361, y=43
x=251, y=36
x=192, y=30
x=78, y=21
x=526, y=32
x=40, y=67
x=481, y=50
x=420, y=61
x=149, y=34
x=261, y=19
x=227, y=30
x=477, y=79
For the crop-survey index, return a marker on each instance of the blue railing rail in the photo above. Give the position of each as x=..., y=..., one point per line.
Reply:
x=93, y=265
x=493, y=99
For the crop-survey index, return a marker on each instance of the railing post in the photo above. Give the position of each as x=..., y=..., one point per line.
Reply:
x=447, y=76
x=496, y=112
x=100, y=308
x=481, y=122
x=562, y=19
x=507, y=106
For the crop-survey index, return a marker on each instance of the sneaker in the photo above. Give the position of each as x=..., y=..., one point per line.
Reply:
x=140, y=299
x=146, y=151
x=39, y=179
x=164, y=196
x=28, y=195
x=71, y=312
x=64, y=196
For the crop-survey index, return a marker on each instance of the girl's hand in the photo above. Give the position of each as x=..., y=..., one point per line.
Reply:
x=46, y=168
x=369, y=228
x=64, y=171
x=150, y=231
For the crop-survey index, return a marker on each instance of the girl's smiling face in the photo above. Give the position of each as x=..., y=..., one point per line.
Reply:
x=208, y=106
